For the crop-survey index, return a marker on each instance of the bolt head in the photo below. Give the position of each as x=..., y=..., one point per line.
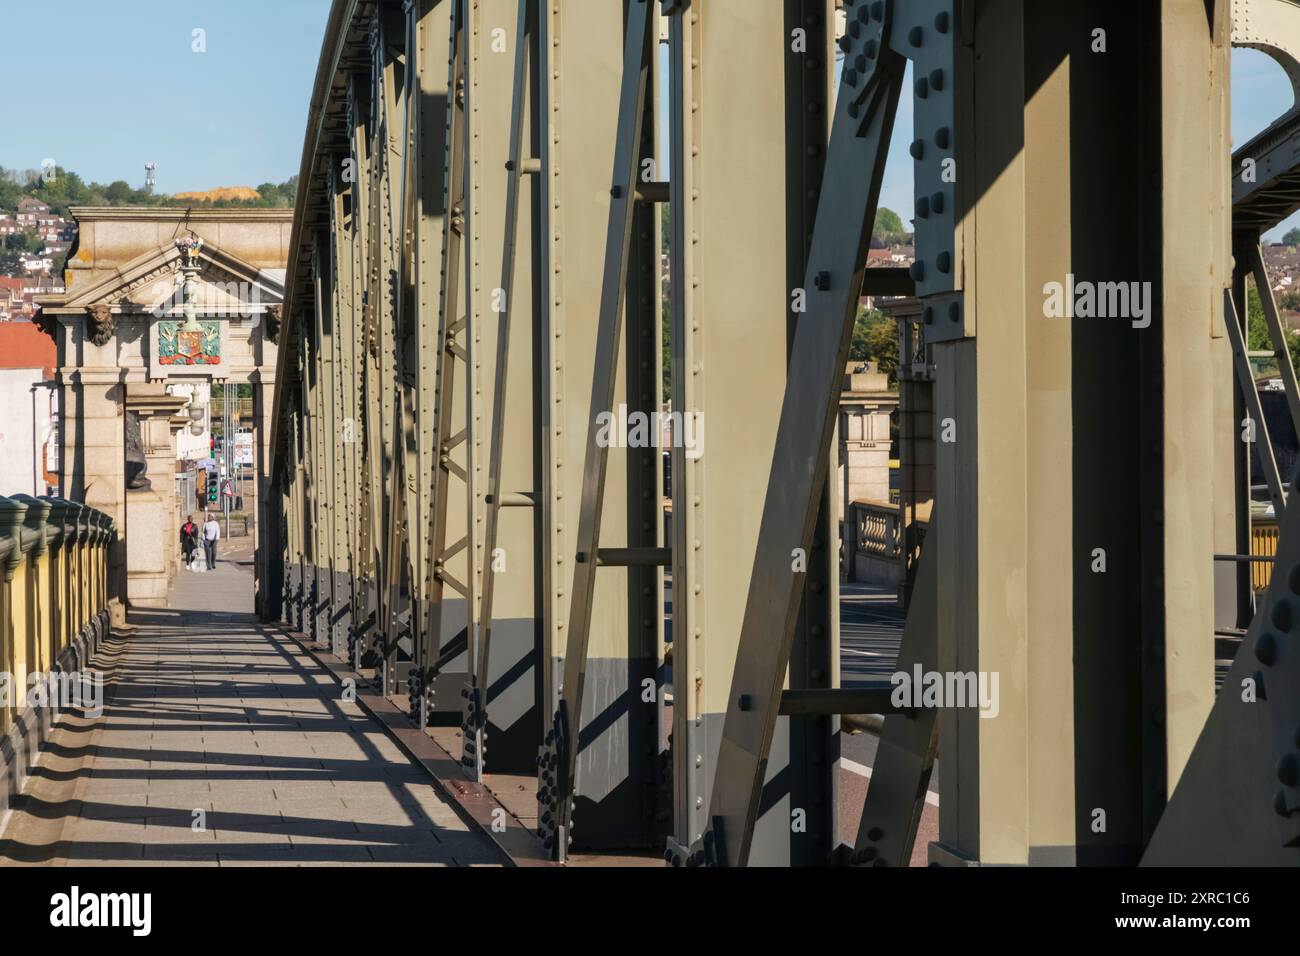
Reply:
x=1266, y=649
x=1288, y=770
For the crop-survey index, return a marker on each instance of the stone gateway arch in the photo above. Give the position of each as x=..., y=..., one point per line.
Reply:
x=160, y=305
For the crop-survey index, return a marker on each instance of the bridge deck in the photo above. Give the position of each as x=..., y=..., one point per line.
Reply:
x=207, y=710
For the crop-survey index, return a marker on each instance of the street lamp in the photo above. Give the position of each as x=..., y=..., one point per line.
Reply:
x=189, y=247
x=197, y=410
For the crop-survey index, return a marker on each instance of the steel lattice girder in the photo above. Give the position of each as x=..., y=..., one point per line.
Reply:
x=488, y=44
x=618, y=794
x=727, y=314
x=855, y=164
x=391, y=409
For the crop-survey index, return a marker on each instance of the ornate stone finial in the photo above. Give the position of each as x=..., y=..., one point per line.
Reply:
x=274, y=315
x=99, y=323
x=189, y=247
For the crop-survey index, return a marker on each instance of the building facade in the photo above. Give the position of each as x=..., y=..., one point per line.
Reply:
x=158, y=298
x=29, y=427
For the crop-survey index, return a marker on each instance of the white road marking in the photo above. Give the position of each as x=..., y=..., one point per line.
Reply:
x=862, y=770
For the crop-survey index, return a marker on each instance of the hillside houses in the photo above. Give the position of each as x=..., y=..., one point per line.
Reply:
x=56, y=234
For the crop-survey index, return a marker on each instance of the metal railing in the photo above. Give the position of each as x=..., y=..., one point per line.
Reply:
x=1263, y=544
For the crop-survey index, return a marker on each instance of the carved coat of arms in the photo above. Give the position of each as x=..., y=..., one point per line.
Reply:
x=179, y=346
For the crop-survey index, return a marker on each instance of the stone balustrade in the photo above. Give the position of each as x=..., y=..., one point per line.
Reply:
x=54, y=612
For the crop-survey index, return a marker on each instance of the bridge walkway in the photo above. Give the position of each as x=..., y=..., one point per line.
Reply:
x=222, y=743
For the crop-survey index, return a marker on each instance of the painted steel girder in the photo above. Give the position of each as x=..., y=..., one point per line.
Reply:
x=728, y=296
x=855, y=165
x=561, y=747
x=620, y=781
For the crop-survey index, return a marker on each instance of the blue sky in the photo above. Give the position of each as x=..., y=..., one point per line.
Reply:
x=1260, y=93
x=104, y=86
x=128, y=89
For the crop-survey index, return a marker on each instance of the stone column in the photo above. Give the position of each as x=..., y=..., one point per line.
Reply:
x=90, y=403
x=151, y=531
x=865, y=405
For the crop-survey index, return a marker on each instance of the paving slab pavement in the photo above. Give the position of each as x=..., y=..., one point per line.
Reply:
x=222, y=743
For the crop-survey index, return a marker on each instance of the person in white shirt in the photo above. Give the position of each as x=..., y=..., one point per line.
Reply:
x=211, y=535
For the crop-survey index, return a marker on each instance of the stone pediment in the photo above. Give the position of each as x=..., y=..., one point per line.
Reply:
x=150, y=283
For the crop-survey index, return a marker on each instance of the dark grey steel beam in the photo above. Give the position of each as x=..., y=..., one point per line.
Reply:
x=1246, y=381
x=904, y=761
x=865, y=699
x=1267, y=196
x=630, y=557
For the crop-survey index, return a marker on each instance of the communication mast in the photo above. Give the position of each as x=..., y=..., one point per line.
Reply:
x=148, y=177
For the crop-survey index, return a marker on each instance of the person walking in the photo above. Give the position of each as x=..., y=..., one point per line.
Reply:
x=189, y=539
x=211, y=535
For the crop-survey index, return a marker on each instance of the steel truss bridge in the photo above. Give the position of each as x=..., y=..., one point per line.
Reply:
x=474, y=285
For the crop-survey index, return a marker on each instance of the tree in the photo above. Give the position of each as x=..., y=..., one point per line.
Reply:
x=888, y=227
x=1292, y=238
x=62, y=189
x=875, y=338
x=118, y=191
x=10, y=191
x=1258, y=339
x=24, y=242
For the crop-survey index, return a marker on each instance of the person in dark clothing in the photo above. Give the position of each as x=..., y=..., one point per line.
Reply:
x=189, y=538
